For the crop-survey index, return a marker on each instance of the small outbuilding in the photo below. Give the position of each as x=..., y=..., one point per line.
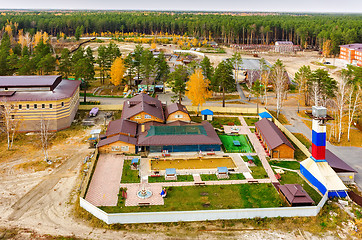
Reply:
x=265, y=115
x=170, y=174
x=207, y=114
x=295, y=195
x=222, y=172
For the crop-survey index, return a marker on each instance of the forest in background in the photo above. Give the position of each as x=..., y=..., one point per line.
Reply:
x=309, y=31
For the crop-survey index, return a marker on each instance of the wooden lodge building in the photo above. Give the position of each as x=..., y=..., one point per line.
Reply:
x=148, y=125
x=275, y=142
x=33, y=98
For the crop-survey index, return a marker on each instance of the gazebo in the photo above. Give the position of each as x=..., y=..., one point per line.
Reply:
x=222, y=172
x=170, y=174
x=207, y=114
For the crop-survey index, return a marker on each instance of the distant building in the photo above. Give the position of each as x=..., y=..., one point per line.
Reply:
x=41, y=97
x=352, y=53
x=276, y=143
x=284, y=46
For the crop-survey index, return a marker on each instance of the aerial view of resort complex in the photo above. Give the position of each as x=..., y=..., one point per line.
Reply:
x=220, y=120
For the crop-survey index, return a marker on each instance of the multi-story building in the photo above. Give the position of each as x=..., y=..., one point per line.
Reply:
x=36, y=98
x=352, y=53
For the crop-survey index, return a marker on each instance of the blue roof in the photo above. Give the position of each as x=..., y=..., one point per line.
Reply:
x=222, y=169
x=207, y=112
x=170, y=171
x=265, y=115
x=135, y=160
x=250, y=157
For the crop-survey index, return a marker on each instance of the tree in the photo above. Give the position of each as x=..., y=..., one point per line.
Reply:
x=148, y=66
x=207, y=68
x=83, y=69
x=78, y=32
x=264, y=79
x=223, y=78
x=65, y=64
x=301, y=78
x=117, y=71
x=257, y=88
x=128, y=62
x=236, y=60
x=321, y=86
x=46, y=65
x=341, y=99
x=45, y=136
x=177, y=81
x=101, y=60
x=162, y=68
x=280, y=82
x=197, y=88
x=9, y=121
x=137, y=56
x=327, y=47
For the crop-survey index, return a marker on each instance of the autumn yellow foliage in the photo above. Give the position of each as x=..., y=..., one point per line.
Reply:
x=117, y=71
x=153, y=45
x=197, y=88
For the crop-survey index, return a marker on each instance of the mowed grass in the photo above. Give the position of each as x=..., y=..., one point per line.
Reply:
x=294, y=165
x=293, y=178
x=180, y=178
x=218, y=122
x=210, y=198
x=129, y=175
x=282, y=119
x=213, y=177
x=303, y=139
x=251, y=120
x=229, y=146
x=257, y=171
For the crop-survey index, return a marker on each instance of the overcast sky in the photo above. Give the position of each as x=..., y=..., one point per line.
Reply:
x=354, y=6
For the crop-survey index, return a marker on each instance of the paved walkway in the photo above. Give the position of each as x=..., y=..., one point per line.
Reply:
x=133, y=200
x=104, y=187
x=259, y=150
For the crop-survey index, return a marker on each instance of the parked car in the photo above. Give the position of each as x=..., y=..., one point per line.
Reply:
x=327, y=63
x=93, y=112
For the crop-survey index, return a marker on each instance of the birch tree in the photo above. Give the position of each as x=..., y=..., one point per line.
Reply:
x=280, y=82
x=341, y=101
x=301, y=77
x=354, y=96
x=197, y=88
x=9, y=122
x=45, y=136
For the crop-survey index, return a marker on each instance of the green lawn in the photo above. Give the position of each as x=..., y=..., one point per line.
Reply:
x=210, y=197
x=303, y=139
x=228, y=145
x=293, y=178
x=257, y=171
x=294, y=165
x=282, y=119
x=196, y=119
x=180, y=178
x=213, y=177
x=217, y=122
x=251, y=120
x=128, y=175
x=298, y=154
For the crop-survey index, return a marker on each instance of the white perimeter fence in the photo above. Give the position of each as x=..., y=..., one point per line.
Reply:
x=202, y=215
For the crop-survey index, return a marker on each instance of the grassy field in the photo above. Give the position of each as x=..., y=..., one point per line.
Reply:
x=128, y=175
x=227, y=97
x=251, y=120
x=303, y=139
x=229, y=146
x=210, y=197
x=282, y=119
x=213, y=177
x=217, y=122
x=257, y=171
x=294, y=165
x=298, y=154
x=294, y=178
x=180, y=178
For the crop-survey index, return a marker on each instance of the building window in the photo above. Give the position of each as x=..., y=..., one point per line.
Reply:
x=115, y=148
x=178, y=116
x=125, y=148
x=12, y=116
x=147, y=116
x=43, y=105
x=35, y=106
x=27, y=106
x=137, y=117
x=50, y=105
x=62, y=104
x=6, y=89
x=20, y=106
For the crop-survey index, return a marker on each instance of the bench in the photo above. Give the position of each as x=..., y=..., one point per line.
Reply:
x=253, y=181
x=144, y=204
x=157, y=175
x=166, y=155
x=199, y=183
x=210, y=153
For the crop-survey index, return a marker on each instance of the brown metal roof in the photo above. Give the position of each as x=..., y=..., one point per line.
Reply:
x=6, y=93
x=295, y=194
x=272, y=134
x=210, y=138
x=29, y=81
x=169, y=109
x=65, y=89
x=121, y=126
x=142, y=103
x=117, y=138
x=336, y=163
